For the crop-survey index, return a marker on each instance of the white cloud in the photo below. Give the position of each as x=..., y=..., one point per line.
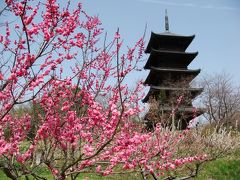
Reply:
x=208, y=6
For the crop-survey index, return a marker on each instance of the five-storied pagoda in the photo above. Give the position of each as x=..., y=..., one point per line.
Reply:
x=170, y=96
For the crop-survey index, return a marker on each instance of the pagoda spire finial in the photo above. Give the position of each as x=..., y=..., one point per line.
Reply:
x=166, y=21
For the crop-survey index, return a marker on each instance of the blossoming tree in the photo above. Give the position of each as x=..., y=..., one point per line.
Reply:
x=54, y=57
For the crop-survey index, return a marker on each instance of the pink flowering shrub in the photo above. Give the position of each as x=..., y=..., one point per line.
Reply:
x=52, y=57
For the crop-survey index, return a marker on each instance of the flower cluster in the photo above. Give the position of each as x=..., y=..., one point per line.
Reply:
x=63, y=96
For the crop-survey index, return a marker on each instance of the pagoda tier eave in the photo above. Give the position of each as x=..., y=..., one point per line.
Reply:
x=175, y=70
x=187, y=109
x=172, y=57
x=154, y=89
x=171, y=51
x=183, y=115
x=159, y=75
x=175, y=88
x=186, y=112
x=167, y=35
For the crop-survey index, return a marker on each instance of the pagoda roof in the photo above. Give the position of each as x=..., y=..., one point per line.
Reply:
x=189, y=112
x=176, y=88
x=183, y=113
x=158, y=75
x=175, y=70
x=175, y=39
x=165, y=58
x=154, y=89
x=186, y=112
x=187, y=109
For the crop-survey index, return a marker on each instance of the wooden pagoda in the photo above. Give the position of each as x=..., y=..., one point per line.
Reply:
x=170, y=95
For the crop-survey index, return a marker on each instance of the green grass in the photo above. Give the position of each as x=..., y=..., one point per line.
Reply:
x=226, y=168
x=221, y=169
x=91, y=176
x=43, y=172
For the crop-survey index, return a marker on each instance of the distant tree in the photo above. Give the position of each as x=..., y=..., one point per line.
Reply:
x=221, y=99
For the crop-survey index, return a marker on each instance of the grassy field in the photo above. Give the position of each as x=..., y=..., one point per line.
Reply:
x=227, y=168
x=221, y=169
x=83, y=176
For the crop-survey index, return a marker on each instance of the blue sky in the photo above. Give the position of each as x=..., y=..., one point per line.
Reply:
x=216, y=24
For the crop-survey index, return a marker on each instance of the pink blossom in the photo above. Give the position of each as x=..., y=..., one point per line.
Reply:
x=117, y=35
x=1, y=38
x=98, y=168
x=13, y=77
x=16, y=26
x=1, y=76
x=88, y=150
x=79, y=108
